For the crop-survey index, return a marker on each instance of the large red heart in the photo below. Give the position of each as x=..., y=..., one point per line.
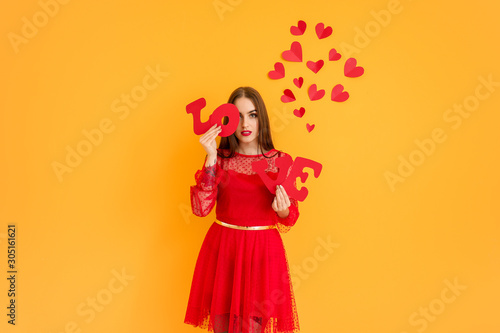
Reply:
x=310, y=127
x=323, y=32
x=334, y=55
x=287, y=96
x=350, y=69
x=299, y=29
x=294, y=54
x=315, y=66
x=298, y=82
x=338, y=95
x=299, y=112
x=279, y=71
x=314, y=93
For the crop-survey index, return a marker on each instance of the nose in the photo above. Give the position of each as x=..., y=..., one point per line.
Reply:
x=243, y=121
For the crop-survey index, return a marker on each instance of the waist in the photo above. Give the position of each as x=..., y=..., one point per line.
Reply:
x=241, y=227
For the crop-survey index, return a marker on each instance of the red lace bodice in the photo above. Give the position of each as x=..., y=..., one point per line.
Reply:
x=241, y=196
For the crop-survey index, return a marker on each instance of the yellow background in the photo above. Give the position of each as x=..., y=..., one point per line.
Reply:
x=125, y=207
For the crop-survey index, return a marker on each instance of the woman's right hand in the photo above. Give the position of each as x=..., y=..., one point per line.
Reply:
x=207, y=140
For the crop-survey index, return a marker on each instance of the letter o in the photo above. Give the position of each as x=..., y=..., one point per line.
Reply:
x=369, y=30
x=139, y=93
x=440, y=306
x=104, y=300
x=81, y=145
x=414, y=154
x=232, y=113
x=468, y=106
x=43, y=16
x=310, y=268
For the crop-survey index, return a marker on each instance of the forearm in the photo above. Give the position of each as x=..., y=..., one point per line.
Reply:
x=211, y=160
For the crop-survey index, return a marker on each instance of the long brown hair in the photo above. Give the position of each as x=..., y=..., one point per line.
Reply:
x=264, y=139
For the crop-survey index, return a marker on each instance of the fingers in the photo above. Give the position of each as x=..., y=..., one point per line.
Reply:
x=285, y=196
x=212, y=132
x=210, y=135
x=281, y=202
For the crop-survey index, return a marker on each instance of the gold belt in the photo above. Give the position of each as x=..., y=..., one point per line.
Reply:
x=239, y=227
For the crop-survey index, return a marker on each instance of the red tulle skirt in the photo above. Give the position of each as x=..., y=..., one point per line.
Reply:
x=241, y=283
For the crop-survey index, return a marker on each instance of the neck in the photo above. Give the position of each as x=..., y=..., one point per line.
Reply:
x=249, y=149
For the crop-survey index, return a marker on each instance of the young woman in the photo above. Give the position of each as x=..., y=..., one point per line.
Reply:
x=241, y=282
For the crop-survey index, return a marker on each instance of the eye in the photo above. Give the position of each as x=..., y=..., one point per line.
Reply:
x=253, y=115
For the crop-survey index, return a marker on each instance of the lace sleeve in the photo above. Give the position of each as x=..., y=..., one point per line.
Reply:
x=204, y=193
x=285, y=224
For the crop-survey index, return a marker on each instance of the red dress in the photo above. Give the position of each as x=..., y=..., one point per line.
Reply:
x=241, y=282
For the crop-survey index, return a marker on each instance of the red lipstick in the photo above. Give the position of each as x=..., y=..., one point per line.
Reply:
x=246, y=133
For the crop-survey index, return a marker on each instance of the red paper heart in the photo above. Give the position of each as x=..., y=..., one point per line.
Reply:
x=279, y=71
x=294, y=54
x=350, y=69
x=334, y=55
x=298, y=82
x=287, y=96
x=310, y=127
x=315, y=94
x=323, y=32
x=315, y=66
x=299, y=112
x=338, y=95
x=299, y=29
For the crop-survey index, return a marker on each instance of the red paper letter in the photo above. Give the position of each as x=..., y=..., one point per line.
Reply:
x=283, y=163
x=298, y=172
x=225, y=110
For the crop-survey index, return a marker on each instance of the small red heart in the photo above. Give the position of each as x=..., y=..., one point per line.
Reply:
x=334, y=55
x=299, y=112
x=298, y=82
x=315, y=94
x=350, y=69
x=299, y=29
x=279, y=71
x=323, y=32
x=315, y=66
x=294, y=54
x=338, y=95
x=310, y=127
x=287, y=96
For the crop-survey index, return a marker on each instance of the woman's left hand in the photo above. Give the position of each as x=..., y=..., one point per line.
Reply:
x=281, y=202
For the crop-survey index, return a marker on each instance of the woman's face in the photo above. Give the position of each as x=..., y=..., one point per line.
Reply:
x=248, y=127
